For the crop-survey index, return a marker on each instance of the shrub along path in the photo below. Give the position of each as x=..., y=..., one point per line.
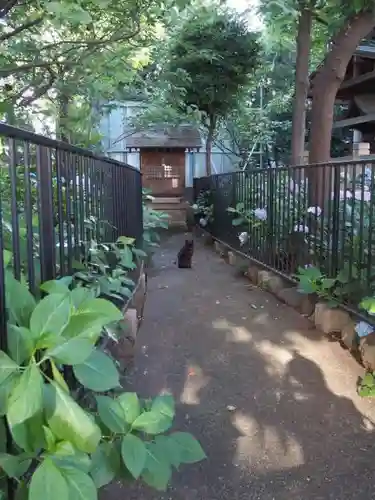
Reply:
x=272, y=401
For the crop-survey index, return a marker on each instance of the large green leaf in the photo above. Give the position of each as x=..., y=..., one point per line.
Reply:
x=56, y=286
x=105, y=464
x=152, y=422
x=29, y=435
x=19, y=301
x=14, y=465
x=72, y=351
x=134, y=454
x=7, y=367
x=80, y=485
x=130, y=405
x=50, y=316
x=80, y=295
x=66, y=455
x=25, y=399
x=87, y=325
x=112, y=414
x=164, y=404
x=20, y=343
x=48, y=483
x=103, y=308
x=157, y=471
x=68, y=421
x=190, y=451
x=98, y=373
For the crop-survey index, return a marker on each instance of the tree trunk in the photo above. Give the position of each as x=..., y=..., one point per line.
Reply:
x=301, y=86
x=325, y=86
x=209, y=141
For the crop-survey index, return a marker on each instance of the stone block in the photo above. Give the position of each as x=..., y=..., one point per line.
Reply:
x=208, y=239
x=367, y=350
x=263, y=278
x=232, y=258
x=308, y=304
x=291, y=297
x=330, y=320
x=349, y=336
x=275, y=284
x=218, y=247
x=252, y=274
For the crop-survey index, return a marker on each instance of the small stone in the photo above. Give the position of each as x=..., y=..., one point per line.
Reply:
x=254, y=306
x=252, y=274
x=367, y=350
x=275, y=284
x=263, y=278
x=291, y=297
x=308, y=305
x=330, y=320
x=218, y=302
x=232, y=260
x=231, y=408
x=349, y=335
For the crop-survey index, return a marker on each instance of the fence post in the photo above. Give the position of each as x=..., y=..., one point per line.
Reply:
x=270, y=214
x=46, y=227
x=335, y=221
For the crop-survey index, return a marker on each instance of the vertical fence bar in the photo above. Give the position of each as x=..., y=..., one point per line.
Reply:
x=46, y=230
x=336, y=221
x=14, y=208
x=29, y=219
x=60, y=212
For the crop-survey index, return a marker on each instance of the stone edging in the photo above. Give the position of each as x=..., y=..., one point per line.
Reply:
x=336, y=323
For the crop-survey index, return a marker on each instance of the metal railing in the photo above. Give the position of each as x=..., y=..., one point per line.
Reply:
x=54, y=196
x=54, y=199
x=291, y=217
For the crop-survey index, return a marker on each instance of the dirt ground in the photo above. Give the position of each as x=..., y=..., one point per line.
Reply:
x=271, y=400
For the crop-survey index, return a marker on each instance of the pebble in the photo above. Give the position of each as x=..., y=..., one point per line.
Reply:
x=231, y=408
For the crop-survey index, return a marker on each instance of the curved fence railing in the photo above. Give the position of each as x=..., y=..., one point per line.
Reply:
x=294, y=218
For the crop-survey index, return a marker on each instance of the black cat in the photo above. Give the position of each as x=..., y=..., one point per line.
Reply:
x=185, y=255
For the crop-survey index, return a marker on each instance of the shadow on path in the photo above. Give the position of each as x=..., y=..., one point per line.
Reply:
x=272, y=402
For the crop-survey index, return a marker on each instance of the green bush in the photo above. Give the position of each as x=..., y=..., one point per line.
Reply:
x=61, y=449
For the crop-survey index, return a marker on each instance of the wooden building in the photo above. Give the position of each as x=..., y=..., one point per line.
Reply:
x=357, y=92
x=162, y=152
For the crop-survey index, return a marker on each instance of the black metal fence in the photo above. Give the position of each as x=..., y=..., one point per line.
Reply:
x=53, y=197
x=291, y=217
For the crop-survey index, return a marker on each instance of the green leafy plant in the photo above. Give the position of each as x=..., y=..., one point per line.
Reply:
x=244, y=216
x=366, y=387
x=59, y=447
x=153, y=222
x=311, y=280
x=106, y=266
x=204, y=207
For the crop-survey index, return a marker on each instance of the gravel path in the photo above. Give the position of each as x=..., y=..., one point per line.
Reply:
x=271, y=400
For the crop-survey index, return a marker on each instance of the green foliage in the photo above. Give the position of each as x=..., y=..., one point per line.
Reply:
x=312, y=281
x=61, y=449
x=153, y=222
x=366, y=387
x=204, y=208
x=211, y=58
x=244, y=216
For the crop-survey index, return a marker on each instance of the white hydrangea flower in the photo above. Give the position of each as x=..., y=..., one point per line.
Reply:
x=203, y=222
x=366, y=195
x=244, y=238
x=260, y=213
x=300, y=228
x=315, y=210
x=194, y=207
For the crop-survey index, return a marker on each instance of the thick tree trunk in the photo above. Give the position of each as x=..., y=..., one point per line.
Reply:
x=301, y=86
x=325, y=86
